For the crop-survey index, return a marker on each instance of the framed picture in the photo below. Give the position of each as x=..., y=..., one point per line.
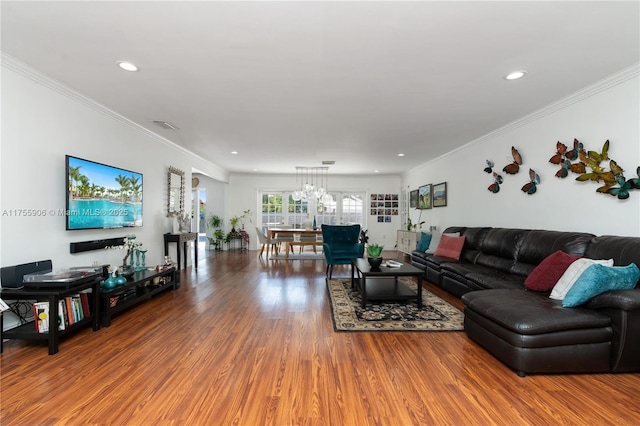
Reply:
x=424, y=197
x=440, y=195
x=413, y=199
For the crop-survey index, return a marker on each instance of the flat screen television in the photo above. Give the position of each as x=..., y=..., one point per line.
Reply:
x=101, y=196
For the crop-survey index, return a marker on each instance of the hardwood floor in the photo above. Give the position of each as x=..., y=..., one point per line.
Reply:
x=249, y=342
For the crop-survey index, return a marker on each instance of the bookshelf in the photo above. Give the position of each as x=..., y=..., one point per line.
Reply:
x=142, y=286
x=28, y=331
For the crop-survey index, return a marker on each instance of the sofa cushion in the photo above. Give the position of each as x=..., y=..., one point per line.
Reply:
x=450, y=247
x=571, y=275
x=598, y=279
x=549, y=271
x=531, y=313
x=435, y=240
x=423, y=244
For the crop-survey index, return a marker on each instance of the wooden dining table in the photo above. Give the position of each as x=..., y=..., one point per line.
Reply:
x=272, y=232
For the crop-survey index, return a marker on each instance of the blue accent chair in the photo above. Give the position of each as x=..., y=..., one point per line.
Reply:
x=341, y=244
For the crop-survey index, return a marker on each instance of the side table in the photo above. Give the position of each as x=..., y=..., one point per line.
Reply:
x=183, y=238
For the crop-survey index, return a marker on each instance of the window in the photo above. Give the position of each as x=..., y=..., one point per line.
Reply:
x=344, y=208
x=271, y=208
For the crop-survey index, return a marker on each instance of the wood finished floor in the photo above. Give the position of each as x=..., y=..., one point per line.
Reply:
x=250, y=342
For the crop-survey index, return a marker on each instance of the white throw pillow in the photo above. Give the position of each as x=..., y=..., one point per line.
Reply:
x=435, y=240
x=571, y=275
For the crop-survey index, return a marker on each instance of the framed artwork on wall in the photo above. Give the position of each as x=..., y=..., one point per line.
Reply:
x=413, y=199
x=424, y=197
x=440, y=195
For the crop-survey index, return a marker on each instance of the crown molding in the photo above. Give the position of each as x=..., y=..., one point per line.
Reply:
x=20, y=68
x=605, y=84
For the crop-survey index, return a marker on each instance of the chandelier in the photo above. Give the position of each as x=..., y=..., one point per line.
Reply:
x=312, y=182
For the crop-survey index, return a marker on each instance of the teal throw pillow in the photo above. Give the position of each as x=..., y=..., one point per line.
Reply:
x=598, y=279
x=423, y=244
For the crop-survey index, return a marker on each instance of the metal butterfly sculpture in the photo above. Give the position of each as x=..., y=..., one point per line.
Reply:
x=532, y=186
x=622, y=191
x=495, y=186
x=513, y=167
x=564, y=158
x=613, y=181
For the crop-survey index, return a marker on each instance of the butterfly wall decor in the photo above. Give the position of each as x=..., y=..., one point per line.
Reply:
x=613, y=181
x=513, y=167
x=532, y=186
x=489, y=168
x=622, y=191
x=564, y=158
x=495, y=186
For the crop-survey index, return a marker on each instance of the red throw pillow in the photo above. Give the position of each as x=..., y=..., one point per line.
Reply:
x=549, y=271
x=450, y=247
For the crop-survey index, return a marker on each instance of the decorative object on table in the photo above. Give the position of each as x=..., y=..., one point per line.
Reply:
x=184, y=223
x=120, y=279
x=312, y=184
x=440, y=195
x=315, y=224
x=307, y=223
x=495, y=186
x=374, y=251
x=424, y=197
x=532, y=185
x=110, y=282
x=348, y=315
x=143, y=255
x=514, y=166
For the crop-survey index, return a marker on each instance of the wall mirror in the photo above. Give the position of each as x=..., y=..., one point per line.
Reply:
x=175, y=192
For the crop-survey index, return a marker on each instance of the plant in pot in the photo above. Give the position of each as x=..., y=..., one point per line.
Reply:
x=215, y=222
x=234, y=222
x=375, y=255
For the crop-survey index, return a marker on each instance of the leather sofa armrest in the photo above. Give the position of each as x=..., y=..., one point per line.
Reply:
x=626, y=300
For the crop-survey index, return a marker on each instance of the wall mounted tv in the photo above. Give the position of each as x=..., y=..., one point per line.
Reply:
x=101, y=196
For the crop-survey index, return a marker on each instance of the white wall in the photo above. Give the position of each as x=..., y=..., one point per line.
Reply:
x=42, y=121
x=609, y=110
x=244, y=189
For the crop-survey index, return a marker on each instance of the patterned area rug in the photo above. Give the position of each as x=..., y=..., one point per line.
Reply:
x=348, y=315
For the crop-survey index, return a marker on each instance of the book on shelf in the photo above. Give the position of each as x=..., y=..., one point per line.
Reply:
x=62, y=319
x=41, y=316
x=70, y=316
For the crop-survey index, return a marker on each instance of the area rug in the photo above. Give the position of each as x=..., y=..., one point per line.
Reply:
x=348, y=315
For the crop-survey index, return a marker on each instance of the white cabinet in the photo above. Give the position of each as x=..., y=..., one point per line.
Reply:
x=407, y=241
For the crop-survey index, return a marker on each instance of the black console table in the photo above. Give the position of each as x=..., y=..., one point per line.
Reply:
x=142, y=286
x=183, y=238
x=52, y=295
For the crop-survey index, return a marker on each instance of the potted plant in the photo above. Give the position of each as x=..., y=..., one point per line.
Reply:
x=375, y=255
x=234, y=222
x=215, y=222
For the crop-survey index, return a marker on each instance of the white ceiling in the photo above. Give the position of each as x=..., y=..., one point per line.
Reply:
x=293, y=83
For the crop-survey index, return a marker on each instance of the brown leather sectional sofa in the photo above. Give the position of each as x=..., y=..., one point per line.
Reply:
x=527, y=330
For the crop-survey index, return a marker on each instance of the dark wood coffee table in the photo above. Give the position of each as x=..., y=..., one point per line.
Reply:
x=382, y=283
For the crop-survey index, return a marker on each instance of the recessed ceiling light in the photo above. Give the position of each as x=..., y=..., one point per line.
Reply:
x=127, y=66
x=376, y=171
x=515, y=75
x=234, y=152
x=401, y=155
